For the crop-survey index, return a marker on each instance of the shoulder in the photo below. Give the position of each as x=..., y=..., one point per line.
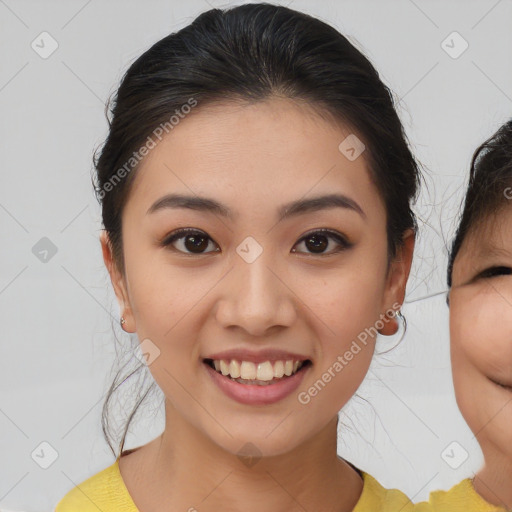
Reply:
x=461, y=497
x=376, y=497
x=103, y=491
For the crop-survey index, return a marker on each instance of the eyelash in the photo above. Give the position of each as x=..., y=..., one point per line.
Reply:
x=495, y=271
x=183, y=232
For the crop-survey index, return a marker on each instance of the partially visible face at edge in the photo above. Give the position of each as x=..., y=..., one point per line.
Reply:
x=254, y=159
x=481, y=332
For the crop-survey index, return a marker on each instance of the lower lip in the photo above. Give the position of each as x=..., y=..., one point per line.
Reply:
x=252, y=394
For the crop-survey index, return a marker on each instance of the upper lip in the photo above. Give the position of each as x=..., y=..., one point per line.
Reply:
x=260, y=356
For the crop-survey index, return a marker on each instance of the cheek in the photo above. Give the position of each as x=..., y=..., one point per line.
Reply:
x=481, y=330
x=341, y=301
x=350, y=305
x=481, y=348
x=162, y=293
x=467, y=329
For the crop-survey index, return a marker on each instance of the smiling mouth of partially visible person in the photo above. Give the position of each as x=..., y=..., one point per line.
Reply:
x=501, y=385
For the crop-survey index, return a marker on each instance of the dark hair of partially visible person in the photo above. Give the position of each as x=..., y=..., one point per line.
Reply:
x=489, y=187
x=251, y=53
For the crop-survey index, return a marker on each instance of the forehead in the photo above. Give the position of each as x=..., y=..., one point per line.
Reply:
x=260, y=152
x=489, y=240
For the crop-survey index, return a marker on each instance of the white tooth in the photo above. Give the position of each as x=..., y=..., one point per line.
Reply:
x=216, y=364
x=234, y=369
x=248, y=370
x=295, y=366
x=278, y=369
x=265, y=371
x=288, y=367
x=224, y=367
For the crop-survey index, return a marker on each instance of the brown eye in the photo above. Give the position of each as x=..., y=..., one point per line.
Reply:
x=318, y=241
x=191, y=241
x=495, y=271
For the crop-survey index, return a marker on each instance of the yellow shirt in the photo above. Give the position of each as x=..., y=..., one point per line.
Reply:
x=460, y=498
x=107, y=492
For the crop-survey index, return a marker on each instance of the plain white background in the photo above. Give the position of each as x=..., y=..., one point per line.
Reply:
x=57, y=316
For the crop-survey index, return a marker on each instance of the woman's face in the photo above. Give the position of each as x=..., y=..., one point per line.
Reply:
x=481, y=333
x=254, y=286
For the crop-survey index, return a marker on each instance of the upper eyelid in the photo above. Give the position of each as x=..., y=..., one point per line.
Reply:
x=184, y=231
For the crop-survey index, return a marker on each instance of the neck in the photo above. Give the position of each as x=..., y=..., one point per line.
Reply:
x=189, y=470
x=493, y=481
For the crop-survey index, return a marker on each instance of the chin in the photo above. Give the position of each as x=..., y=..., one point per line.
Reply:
x=267, y=443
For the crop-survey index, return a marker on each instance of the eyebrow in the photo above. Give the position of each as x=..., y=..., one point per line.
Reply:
x=286, y=211
x=489, y=251
x=495, y=250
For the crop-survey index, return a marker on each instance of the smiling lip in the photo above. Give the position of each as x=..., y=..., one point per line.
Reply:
x=254, y=394
x=504, y=386
x=261, y=356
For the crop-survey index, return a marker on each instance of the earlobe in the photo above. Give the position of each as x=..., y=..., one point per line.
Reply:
x=392, y=322
x=117, y=281
x=390, y=325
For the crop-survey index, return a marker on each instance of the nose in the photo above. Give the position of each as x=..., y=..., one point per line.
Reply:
x=256, y=297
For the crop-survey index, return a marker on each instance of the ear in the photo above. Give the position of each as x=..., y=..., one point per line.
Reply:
x=396, y=281
x=118, y=282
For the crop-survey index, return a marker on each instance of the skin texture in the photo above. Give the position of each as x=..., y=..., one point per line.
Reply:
x=481, y=349
x=253, y=158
